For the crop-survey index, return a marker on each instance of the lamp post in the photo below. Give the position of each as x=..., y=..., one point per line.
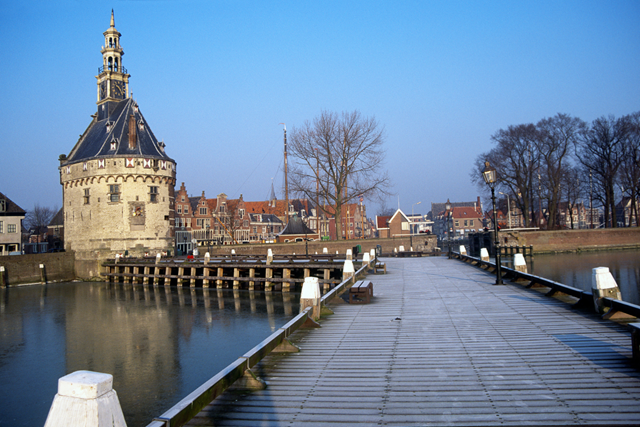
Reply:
x=411, y=224
x=490, y=177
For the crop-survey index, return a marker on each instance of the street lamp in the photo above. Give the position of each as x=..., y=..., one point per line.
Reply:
x=411, y=224
x=490, y=177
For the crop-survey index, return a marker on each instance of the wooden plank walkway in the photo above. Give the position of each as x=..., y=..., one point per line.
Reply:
x=441, y=345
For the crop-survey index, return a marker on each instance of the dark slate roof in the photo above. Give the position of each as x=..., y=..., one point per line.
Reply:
x=11, y=209
x=296, y=226
x=58, y=219
x=96, y=141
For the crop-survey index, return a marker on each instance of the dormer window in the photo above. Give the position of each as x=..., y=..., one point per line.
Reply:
x=135, y=109
x=109, y=126
x=3, y=205
x=114, y=145
x=140, y=125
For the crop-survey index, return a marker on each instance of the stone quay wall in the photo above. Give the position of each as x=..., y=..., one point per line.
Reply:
x=25, y=269
x=423, y=243
x=573, y=240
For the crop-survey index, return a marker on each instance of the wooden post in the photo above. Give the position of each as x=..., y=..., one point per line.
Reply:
x=219, y=281
x=236, y=274
x=193, y=277
x=180, y=276
x=145, y=279
x=205, y=277
x=327, y=276
x=286, y=274
x=252, y=283
x=268, y=286
x=167, y=273
x=3, y=283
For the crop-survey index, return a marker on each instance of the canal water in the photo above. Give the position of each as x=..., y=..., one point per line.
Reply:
x=574, y=269
x=159, y=343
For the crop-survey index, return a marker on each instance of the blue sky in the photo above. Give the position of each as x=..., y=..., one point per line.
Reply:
x=215, y=78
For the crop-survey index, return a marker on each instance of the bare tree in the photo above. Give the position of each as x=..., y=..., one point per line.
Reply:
x=39, y=217
x=556, y=136
x=516, y=159
x=337, y=159
x=601, y=150
x=572, y=189
x=629, y=178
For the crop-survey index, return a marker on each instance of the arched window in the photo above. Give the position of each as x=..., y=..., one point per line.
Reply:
x=116, y=65
x=110, y=64
x=110, y=42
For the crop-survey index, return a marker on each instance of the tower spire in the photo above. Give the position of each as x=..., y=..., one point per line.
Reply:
x=113, y=21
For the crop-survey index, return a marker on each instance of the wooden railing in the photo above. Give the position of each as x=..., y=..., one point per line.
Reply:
x=198, y=399
x=585, y=298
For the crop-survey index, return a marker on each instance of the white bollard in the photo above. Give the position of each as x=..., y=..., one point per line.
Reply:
x=519, y=264
x=401, y=249
x=337, y=253
x=233, y=251
x=85, y=399
x=311, y=296
x=207, y=258
x=158, y=256
x=603, y=285
x=117, y=258
x=411, y=249
x=372, y=253
x=484, y=254
x=365, y=259
x=349, y=255
x=348, y=271
x=195, y=252
x=325, y=251
x=463, y=250
x=269, y=256
x=395, y=250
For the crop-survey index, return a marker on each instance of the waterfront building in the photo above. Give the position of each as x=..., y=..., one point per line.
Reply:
x=11, y=216
x=118, y=182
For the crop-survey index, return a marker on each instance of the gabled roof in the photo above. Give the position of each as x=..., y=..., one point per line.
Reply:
x=97, y=138
x=58, y=219
x=382, y=221
x=11, y=209
x=402, y=216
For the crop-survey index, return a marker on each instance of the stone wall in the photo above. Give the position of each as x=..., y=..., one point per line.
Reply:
x=23, y=269
x=423, y=242
x=573, y=240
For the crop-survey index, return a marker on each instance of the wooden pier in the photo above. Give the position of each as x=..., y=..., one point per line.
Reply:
x=439, y=344
x=284, y=273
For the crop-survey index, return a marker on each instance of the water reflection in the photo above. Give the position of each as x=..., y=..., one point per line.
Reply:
x=160, y=343
x=574, y=269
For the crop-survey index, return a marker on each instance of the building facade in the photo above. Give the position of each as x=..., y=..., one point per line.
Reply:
x=118, y=182
x=11, y=217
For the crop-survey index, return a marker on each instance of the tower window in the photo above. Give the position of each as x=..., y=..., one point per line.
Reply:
x=153, y=194
x=114, y=192
x=86, y=196
x=3, y=205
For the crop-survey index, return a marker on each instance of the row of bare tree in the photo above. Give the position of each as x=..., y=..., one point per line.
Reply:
x=564, y=159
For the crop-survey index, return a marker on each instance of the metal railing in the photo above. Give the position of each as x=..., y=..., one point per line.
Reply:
x=585, y=298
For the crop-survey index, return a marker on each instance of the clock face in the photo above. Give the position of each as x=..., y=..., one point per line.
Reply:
x=118, y=89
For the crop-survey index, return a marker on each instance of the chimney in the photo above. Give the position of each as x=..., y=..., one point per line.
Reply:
x=133, y=136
